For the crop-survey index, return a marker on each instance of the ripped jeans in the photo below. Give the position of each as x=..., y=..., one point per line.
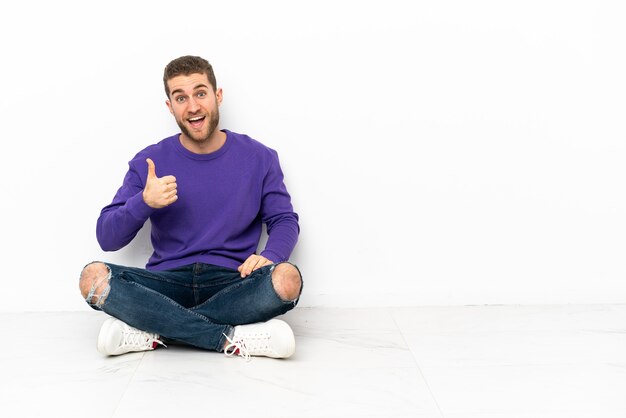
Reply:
x=197, y=304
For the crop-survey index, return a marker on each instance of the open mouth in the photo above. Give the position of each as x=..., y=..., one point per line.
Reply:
x=196, y=122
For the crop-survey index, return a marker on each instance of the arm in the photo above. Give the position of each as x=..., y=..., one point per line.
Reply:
x=120, y=221
x=280, y=219
x=278, y=215
x=132, y=205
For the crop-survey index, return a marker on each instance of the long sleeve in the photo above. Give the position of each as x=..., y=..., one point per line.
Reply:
x=278, y=215
x=120, y=221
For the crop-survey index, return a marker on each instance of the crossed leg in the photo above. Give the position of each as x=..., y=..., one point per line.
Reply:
x=205, y=325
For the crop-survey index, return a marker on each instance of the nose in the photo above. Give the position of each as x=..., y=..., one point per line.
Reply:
x=192, y=105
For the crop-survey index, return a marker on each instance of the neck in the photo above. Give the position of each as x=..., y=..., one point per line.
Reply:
x=207, y=146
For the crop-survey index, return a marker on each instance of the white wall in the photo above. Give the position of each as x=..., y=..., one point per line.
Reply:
x=437, y=152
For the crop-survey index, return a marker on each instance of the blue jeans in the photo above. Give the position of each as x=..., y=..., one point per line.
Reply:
x=196, y=304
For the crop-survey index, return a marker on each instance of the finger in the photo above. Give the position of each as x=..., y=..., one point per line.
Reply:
x=168, y=179
x=252, y=266
x=266, y=263
x=172, y=200
x=246, y=266
x=244, y=269
x=260, y=262
x=170, y=194
x=151, y=169
x=170, y=187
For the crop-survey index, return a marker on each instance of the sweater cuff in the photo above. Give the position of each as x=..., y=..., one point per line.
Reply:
x=138, y=208
x=272, y=256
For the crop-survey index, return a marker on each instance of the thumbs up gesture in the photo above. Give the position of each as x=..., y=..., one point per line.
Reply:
x=160, y=191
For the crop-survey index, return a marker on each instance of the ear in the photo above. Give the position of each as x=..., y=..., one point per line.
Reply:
x=219, y=96
x=169, y=106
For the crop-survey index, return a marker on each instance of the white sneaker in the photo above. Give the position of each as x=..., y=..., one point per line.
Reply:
x=273, y=338
x=117, y=337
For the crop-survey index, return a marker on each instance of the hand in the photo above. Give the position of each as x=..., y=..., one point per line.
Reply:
x=159, y=192
x=254, y=262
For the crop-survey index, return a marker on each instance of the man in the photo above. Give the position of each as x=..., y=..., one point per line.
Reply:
x=207, y=193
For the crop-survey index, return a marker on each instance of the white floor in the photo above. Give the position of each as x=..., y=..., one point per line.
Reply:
x=477, y=361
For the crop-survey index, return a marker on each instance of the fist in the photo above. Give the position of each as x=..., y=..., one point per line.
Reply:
x=160, y=191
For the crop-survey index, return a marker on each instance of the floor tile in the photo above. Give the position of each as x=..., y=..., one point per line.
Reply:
x=51, y=367
x=520, y=361
x=179, y=378
x=348, y=338
x=529, y=391
x=515, y=335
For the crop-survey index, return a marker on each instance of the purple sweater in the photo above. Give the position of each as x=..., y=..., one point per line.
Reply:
x=223, y=199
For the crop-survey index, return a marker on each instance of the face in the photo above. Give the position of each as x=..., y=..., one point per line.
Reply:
x=194, y=105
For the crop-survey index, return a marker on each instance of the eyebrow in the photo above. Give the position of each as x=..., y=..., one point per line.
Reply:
x=198, y=86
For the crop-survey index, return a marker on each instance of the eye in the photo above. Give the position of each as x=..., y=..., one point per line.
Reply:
x=201, y=94
x=180, y=99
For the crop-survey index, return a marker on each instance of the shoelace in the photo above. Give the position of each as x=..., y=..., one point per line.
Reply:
x=236, y=347
x=247, y=345
x=140, y=339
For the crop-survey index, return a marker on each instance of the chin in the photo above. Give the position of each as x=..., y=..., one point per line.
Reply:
x=197, y=137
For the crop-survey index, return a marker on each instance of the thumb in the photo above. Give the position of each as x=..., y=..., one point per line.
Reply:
x=151, y=169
